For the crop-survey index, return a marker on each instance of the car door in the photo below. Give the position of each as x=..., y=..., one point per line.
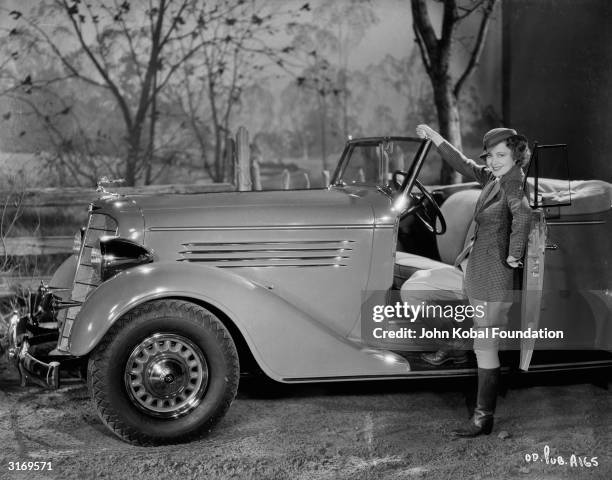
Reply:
x=534, y=260
x=566, y=276
x=533, y=277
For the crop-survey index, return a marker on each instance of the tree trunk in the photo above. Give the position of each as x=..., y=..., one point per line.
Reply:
x=323, y=127
x=133, y=155
x=344, y=92
x=450, y=124
x=152, y=125
x=218, y=166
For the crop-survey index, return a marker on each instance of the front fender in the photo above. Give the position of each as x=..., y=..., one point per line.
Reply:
x=286, y=342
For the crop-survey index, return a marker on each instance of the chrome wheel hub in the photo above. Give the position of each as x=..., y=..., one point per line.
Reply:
x=166, y=375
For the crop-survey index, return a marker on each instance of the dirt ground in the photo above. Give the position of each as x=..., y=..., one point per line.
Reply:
x=394, y=430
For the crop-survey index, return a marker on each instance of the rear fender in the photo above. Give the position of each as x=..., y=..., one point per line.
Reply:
x=285, y=341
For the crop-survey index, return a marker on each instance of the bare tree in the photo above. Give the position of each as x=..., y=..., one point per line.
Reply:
x=65, y=147
x=210, y=87
x=436, y=56
x=128, y=49
x=335, y=29
x=11, y=210
x=319, y=82
x=12, y=223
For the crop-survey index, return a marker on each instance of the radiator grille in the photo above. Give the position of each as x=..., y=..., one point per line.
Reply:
x=86, y=277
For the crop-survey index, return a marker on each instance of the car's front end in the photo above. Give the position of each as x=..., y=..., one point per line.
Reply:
x=37, y=342
x=213, y=249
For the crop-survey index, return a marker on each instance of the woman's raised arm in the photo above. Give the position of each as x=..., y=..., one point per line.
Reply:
x=465, y=166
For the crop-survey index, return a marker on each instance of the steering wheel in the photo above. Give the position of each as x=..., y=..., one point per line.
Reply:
x=426, y=210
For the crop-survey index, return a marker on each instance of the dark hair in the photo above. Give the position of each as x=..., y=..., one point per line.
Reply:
x=519, y=147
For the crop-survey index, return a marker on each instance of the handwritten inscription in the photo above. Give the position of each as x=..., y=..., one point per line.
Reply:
x=550, y=459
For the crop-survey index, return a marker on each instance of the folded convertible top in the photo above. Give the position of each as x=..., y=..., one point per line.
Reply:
x=586, y=196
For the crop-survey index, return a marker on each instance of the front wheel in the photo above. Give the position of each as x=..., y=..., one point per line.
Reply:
x=164, y=373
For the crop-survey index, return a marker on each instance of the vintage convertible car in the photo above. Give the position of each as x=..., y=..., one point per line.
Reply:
x=168, y=299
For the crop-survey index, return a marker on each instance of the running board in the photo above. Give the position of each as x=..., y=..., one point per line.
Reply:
x=463, y=372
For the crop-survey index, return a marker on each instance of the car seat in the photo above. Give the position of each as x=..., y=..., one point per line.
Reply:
x=458, y=210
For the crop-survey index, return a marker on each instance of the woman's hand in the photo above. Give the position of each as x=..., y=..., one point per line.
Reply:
x=427, y=133
x=513, y=262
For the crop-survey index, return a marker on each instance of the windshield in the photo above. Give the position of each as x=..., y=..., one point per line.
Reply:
x=372, y=161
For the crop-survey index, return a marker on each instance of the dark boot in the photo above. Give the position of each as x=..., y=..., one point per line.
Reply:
x=443, y=356
x=482, y=419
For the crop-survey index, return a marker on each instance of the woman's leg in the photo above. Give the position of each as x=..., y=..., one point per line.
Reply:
x=495, y=316
x=487, y=357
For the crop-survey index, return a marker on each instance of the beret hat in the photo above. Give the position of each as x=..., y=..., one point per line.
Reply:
x=495, y=136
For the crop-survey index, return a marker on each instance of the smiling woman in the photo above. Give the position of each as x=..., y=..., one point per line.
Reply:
x=501, y=224
x=504, y=148
x=499, y=160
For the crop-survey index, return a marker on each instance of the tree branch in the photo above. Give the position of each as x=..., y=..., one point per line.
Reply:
x=449, y=20
x=130, y=41
x=478, y=47
x=419, y=42
x=105, y=75
x=69, y=66
x=176, y=65
x=468, y=11
x=147, y=92
x=99, y=38
x=425, y=30
x=173, y=25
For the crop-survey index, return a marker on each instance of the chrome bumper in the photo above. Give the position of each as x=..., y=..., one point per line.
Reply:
x=29, y=368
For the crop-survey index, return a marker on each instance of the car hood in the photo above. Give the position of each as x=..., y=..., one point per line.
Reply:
x=244, y=209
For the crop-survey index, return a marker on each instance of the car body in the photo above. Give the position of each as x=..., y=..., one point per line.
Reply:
x=168, y=298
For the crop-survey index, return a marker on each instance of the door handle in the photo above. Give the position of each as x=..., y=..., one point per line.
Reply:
x=552, y=246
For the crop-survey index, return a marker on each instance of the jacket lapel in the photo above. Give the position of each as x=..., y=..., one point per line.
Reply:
x=491, y=196
x=488, y=197
x=490, y=190
x=515, y=173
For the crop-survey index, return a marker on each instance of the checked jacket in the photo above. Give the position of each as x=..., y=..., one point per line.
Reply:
x=502, y=221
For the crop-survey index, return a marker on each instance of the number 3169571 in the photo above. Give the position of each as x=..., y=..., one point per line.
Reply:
x=14, y=466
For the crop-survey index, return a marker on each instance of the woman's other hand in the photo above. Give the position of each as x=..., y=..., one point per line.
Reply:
x=513, y=262
x=427, y=133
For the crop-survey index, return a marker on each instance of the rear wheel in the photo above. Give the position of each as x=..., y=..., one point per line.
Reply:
x=164, y=373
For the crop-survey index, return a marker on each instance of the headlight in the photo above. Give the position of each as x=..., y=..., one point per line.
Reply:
x=116, y=254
